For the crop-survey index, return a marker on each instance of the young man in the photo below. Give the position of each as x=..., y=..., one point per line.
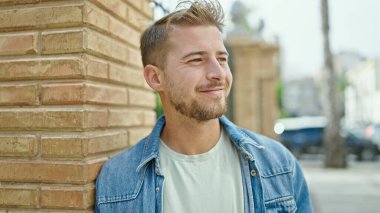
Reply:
x=196, y=160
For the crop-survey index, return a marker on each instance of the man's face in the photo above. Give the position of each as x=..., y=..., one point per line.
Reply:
x=197, y=79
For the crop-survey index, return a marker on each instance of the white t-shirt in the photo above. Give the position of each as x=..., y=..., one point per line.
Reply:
x=204, y=183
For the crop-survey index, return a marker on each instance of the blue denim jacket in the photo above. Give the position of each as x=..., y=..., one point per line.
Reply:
x=272, y=178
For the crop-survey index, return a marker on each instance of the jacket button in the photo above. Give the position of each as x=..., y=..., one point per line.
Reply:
x=253, y=172
x=157, y=189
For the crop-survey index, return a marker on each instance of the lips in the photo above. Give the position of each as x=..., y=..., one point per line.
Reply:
x=213, y=89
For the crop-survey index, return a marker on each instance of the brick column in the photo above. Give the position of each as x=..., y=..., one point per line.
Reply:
x=255, y=69
x=72, y=94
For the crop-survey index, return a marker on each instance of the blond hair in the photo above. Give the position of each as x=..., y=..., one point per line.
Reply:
x=153, y=42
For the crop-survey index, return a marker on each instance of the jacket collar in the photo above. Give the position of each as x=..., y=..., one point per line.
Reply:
x=243, y=142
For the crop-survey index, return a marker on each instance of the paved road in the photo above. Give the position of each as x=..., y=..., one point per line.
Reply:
x=352, y=190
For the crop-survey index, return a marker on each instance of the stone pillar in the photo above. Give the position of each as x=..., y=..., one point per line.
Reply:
x=72, y=94
x=255, y=70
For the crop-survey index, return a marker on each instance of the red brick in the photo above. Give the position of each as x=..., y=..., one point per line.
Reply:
x=134, y=58
x=96, y=68
x=13, y=2
x=63, y=93
x=41, y=17
x=18, y=197
x=80, y=93
x=62, y=119
x=149, y=118
x=136, y=134
x=91, y=196
x=93, y=168
x=126, y=117
x=138, y=97
x=131, y=117
x=18, y=145
x=104, y=46
x=136, y=4
x=113, y=26
x=106, y=142
x=96, y=118
x=147, y=9
x=126, y=75
x=95, y=17
x=42, y=172
x=18, y=44
x=136, y=19
x=101, y=94
x=64, y=197
x=18, y=210
x=62, y=146
x=143, y=5
x=40, y=69
x=82, y=145
x=124, y=32
x=19, y=94
x=63, y=42
x=48, y=119
x=115, y=7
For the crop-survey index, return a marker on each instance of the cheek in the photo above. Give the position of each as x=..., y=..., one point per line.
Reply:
x=179, y=86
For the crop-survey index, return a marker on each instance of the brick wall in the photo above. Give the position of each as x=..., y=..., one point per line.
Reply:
x=72, y=94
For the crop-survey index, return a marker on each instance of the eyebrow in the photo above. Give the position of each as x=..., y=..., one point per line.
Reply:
x=204, y=53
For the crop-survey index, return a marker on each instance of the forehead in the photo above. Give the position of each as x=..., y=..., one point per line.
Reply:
x=188, y=38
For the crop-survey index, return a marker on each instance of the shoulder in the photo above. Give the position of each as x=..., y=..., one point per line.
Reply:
x=111, y=182
x=271, y=154
x=269, y=144
x=264, y=150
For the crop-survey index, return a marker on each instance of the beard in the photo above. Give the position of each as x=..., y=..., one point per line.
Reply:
x=195, y=109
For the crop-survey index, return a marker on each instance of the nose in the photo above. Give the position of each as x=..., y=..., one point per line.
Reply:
x=216, y=71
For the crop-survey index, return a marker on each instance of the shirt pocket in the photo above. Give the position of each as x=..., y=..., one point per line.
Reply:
x=281, y=205
x=133, y=205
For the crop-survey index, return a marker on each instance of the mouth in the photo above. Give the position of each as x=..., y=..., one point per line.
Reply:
x=213, y=91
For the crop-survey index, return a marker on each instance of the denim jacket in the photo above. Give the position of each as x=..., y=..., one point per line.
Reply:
x=272, y=178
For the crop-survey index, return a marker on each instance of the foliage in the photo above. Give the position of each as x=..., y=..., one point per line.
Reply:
x=159, y=110
x=279, y=94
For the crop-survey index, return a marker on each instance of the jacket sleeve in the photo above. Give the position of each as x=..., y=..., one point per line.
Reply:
x=301, y=191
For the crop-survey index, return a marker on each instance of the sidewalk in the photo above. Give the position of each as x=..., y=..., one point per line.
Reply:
x=352, y=190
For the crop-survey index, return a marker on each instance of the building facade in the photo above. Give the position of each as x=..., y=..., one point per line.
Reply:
x=301, y=97
x=362, y=95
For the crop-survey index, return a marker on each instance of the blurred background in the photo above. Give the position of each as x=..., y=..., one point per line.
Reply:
x=307, y=73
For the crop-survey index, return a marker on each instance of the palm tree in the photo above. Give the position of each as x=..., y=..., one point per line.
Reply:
x=335, y=150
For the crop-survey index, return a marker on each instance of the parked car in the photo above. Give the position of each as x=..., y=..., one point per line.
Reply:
x=372, y=133
x=305, y=135
x=301, y=134
x=360, y=142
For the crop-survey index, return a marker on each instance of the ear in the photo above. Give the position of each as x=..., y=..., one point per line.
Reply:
x=152, y=77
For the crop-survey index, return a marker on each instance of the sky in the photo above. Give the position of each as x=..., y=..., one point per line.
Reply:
x=355, y=26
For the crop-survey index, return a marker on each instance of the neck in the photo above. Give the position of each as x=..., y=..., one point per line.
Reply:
x=189, y=136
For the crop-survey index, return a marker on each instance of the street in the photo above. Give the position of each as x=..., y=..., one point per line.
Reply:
x=351, y=190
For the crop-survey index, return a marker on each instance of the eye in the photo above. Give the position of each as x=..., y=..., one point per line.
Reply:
x=222, y=60
x=195, y=60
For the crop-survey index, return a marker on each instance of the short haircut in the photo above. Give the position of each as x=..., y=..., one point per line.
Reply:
x=154, y=41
